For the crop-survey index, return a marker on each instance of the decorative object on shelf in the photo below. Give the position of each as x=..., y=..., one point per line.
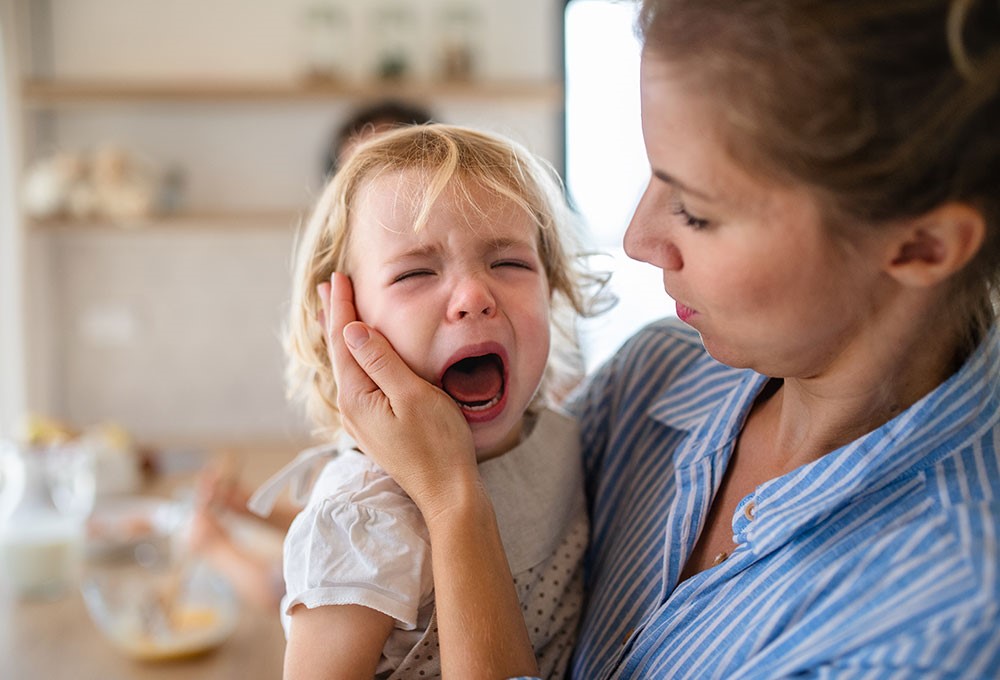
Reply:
x=458, y=29
x=395, y=25
x=171, y=199
x=108, y=183
x=327, y=34
x=49, y=183
x=125, y=188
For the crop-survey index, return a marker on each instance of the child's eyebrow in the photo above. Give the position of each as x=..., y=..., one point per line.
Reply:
x=499, y=243
x=414, y=253
x=503, y=243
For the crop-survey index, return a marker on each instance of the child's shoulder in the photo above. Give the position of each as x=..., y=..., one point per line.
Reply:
x=352, y=477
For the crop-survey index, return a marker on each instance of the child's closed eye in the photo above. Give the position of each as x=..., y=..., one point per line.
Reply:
x=412, y=274
x=516, y=264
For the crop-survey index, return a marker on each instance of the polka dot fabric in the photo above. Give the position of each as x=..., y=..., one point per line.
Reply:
x=551, y=596
x=537, y=492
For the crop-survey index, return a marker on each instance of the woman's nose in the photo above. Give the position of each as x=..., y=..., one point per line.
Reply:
x=471, y=297
x=648, y=235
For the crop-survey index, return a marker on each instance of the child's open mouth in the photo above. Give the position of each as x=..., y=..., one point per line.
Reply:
x=475, y=383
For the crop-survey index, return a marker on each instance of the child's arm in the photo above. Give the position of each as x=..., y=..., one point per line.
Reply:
x=335, y=641
x=427, y=448
x=256, y=578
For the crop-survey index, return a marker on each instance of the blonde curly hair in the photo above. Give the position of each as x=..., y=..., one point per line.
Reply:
x=448, y=156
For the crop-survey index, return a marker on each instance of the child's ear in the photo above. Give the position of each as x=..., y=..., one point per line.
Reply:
x=927, y=250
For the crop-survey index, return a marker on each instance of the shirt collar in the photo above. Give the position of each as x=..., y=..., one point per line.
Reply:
x=940, y=424
x=537, y=489
x=710, y=401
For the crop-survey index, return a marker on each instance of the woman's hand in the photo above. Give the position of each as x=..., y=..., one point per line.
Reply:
x=412, y=429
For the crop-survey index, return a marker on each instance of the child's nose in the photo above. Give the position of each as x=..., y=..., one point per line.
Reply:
x=471, y=297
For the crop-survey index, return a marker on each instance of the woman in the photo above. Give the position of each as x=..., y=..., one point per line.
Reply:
x=801, y=477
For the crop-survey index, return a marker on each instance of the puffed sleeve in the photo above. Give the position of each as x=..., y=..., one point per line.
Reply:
x=360, y=540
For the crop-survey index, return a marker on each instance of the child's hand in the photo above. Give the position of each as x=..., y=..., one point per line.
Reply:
x=410, y=428
x=206, y=532
x=217, y=487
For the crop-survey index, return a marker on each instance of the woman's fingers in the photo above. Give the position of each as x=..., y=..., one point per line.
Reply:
x=408, y=426
x=338, y=311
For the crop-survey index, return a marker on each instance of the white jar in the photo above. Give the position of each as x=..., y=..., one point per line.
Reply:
x=45, y=497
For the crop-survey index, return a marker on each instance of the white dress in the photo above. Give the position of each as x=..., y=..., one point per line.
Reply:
x=361, y=540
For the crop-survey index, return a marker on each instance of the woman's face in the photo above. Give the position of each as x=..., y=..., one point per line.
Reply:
x=747, y=260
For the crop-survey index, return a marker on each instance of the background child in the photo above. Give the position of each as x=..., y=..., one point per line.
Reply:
x=457, y=243
x=379, y=116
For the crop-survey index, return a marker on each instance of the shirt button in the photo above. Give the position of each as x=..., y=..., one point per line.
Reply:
x=750, y=510
x=720, y=558
x=627, y=635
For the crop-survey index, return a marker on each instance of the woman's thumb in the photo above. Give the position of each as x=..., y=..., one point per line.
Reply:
x=377, y=358
x=356, y=335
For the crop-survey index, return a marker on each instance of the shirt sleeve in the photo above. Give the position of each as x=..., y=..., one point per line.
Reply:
x=365, y=546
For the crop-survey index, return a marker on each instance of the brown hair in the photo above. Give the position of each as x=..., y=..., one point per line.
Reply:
x=887, y=108
x=447, y=156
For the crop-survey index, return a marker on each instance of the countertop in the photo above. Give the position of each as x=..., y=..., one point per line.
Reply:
x=55, y=639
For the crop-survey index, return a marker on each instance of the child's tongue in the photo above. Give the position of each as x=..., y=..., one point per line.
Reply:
x=474, y=380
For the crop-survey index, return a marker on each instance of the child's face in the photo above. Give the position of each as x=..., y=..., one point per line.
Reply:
x=465, y=300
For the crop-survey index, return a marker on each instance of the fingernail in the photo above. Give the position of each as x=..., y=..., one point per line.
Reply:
x=355, y=335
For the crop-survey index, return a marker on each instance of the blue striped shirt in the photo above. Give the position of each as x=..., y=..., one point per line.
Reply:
x=878, y=560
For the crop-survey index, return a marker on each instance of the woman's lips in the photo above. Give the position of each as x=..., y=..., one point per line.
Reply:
x=684, y=313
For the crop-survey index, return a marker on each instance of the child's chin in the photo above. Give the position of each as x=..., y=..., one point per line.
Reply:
x=494, y=438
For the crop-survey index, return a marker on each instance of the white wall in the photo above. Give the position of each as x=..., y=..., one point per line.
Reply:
x=174, y=333
x=13, y=395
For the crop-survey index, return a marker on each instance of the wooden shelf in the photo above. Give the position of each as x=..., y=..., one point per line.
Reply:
x=47, y=94
x=277, y=219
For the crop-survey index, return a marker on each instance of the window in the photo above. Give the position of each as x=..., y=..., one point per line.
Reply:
x=606, y=167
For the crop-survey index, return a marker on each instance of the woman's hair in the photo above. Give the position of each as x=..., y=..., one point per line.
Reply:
x=887, y=108
x=447, y=157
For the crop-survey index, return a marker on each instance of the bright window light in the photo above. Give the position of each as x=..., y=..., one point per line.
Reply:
x=606, y=166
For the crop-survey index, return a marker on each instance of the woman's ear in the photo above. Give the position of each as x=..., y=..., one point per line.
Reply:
x=929, y=249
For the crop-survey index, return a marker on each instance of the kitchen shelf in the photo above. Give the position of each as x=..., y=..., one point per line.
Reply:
x=277, y=219
x=53, y=94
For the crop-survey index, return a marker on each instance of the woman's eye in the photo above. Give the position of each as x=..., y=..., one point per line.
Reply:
x=414, y=274
x=687, y=218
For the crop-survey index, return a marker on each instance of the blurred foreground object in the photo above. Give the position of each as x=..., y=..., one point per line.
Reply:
x=46, y=494
x=136, y=552
x=242, y=547
x=117, y=460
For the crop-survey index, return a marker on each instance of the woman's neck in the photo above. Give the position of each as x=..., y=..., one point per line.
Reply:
x=880, y=376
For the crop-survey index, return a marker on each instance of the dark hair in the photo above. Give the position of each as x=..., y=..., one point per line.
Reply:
x=887, y=108
x=389, y=111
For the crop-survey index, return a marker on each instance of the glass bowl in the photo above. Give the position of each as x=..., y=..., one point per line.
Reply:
x=142, y=590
